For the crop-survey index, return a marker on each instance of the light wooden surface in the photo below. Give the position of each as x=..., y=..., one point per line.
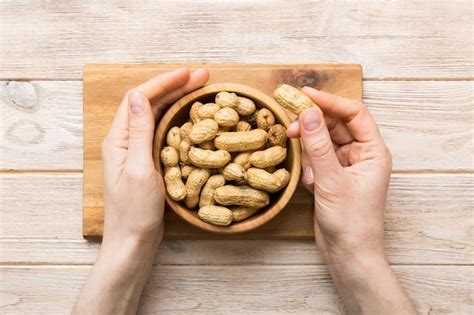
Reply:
x=418, y=66
x=104, y=87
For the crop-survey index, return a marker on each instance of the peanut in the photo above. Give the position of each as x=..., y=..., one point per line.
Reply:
x=241, y=140
x=216, y=215
x=194, y=184
x=207, y=193
x=245, y=106
x=194, y=112
x=185, y=130
x=173, y=138
x=277, y=135
x=243, y=159
x=208, y=158
x=226, y=117
x=174, y=185
x=241, y=196
x=226, y=99
x=265, y=119
x=207, y=145
x=241, y=213
x=261, y=179
x=208, y=110
x=203, y=131
x=169, y=157
x=269, y=157
x=293, y=99
x=243, y=126
x=234, y=171
x=184, y=148
x=186, y=170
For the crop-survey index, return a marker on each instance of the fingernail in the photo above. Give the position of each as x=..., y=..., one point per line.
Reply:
x=137, y=106
x=311, y=119
x=310, y=88
x=308, y=175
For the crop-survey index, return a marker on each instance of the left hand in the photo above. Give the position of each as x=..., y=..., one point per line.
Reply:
x=133, y=196
x=133, y=189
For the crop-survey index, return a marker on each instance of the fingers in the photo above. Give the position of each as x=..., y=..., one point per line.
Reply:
x=140, y=132
x=337, y=130
x=318, y=146
x=355, y=115
x=163, y=84
x=151, y=89
x=308, y=177
x=196, y=80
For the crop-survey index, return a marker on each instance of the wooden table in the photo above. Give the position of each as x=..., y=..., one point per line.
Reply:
x=418, y=71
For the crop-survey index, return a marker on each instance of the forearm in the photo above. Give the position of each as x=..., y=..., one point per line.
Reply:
x=368, y=285
x=117, y=279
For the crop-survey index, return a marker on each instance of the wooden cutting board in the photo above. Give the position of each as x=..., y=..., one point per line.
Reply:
x=104, y=87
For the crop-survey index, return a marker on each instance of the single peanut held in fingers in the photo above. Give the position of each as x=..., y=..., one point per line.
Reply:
x=195, y=181
x=293, y=99
x=239, y=141
x=277, y=136
x=173, y=138
x=227, y=99
x=269, y=157
x=234, y=171
x=204, y=130
x=169, y=157
x=226, y=117
x=245, y=106
x=216, y=215
x=241, y=213
x=208, y=159
x=265, y=119
x=174, y=185
x=229, y=195
x=207, y=192
x=261, y=179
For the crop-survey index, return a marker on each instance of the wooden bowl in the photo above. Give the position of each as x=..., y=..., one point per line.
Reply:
x=178, y=114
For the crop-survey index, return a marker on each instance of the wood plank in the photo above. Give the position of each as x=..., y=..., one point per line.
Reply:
x=41, y=125
x=392, y=39
x=428, y=221
x=213, y=289
x=105, y=85
x=410, y=115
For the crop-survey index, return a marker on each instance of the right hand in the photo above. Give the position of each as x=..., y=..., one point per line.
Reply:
x=347, y=166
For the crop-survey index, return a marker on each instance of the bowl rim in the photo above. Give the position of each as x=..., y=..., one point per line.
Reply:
x=293, y=145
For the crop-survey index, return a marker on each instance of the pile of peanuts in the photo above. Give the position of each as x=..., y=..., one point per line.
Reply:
x=226, y=159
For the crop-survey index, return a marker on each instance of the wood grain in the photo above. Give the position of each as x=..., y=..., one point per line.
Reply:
x=254, y=289
x=100, y=105
x=410, y=114
x=391, y=39
x=428, y=220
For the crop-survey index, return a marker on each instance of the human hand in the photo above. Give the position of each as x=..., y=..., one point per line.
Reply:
x=347, y=166
x=133, y=196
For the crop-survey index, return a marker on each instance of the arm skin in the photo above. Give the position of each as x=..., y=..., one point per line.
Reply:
x=133, y=197
x=347, y=166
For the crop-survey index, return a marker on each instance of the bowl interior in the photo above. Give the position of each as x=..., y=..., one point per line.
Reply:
x=178, y=114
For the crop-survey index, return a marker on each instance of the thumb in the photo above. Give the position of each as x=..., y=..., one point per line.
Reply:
x=141, y=126
x=318, y=145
